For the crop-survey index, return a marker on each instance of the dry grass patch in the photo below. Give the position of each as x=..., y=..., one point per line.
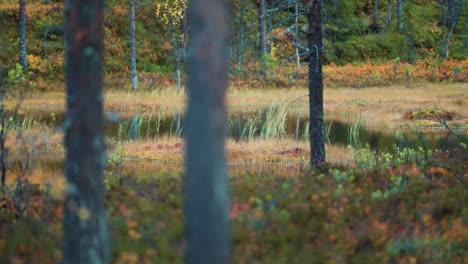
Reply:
x=253, y=152
x=380, y=107
x=429, y=114
x=386, y=107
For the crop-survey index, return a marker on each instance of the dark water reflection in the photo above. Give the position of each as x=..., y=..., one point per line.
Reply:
x=251, y=125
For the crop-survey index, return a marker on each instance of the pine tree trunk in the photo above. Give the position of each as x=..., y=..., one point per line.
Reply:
x=85, y=225
x=400, y=15
x=375, y=18
x=206, y=185
x=296, y=34
x=241, y=36
x=317, y=130
x=22, y=35
x=133, y=46
x=178, y=75
x=262, y=37
x=450, y=16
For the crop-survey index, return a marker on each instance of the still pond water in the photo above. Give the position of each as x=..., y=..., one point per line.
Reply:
x=270, y=124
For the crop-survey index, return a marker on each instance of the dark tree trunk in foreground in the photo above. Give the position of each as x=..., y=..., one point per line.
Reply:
x=400, y=16
x=22, y=35
x=262, y=35
x=207, y=202
x=85, y=225
x=133, y=61
x=317, y=131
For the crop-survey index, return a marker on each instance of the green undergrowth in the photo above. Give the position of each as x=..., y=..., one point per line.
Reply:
x=403, y=207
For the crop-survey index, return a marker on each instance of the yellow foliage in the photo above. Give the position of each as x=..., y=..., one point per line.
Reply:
x=171, y=12
x=36, y=63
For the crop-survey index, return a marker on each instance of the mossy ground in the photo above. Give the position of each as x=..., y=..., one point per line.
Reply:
x=406, y=208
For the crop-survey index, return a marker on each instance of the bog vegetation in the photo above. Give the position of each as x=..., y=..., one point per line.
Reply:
x=395, y=103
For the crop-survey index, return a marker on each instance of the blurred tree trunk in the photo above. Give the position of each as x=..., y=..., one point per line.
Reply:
x=85, y=225
x=22, y=35
x=262, y=35
x=133, y=63
x=207, y=204
x=400, y=16
x=317, y=130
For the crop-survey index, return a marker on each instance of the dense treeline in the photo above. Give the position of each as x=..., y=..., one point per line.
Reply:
x=373, y=31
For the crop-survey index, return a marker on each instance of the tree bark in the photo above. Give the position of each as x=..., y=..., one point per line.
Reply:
x=375, y=18
x=241, y=36
x=317, y=130
x=262, y=35
x=296, y=34
x=85, y=225
x=178, y=49
x=400, y=16
x=446, y=41
x=206, y=186
x=450, y=15
x=3, y=149
x=22, y=35
x=133, y=63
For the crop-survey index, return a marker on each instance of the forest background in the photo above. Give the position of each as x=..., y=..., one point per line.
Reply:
x=366, y=43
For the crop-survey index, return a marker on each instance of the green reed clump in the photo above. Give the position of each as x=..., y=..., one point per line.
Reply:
x=354, y=133
x=140, y=127
x=251, y=128
x=275, y=122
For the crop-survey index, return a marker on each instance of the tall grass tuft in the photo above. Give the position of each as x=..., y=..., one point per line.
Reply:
x=328, y=133
x=251, y=128
x=228, y=127
x=306, y=131
x=28, y=123
x=136, y=128
x=141, y=127
x=355, y=133
x=275, y=121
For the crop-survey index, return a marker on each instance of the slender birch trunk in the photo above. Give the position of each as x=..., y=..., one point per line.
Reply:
x=22, y=35
x=296, y=34
x=133, y=61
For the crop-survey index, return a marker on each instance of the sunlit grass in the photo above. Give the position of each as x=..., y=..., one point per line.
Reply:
x=376, y=106
x=256, y=151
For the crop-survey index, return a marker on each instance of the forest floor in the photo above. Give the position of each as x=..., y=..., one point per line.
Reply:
x=404, y=204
